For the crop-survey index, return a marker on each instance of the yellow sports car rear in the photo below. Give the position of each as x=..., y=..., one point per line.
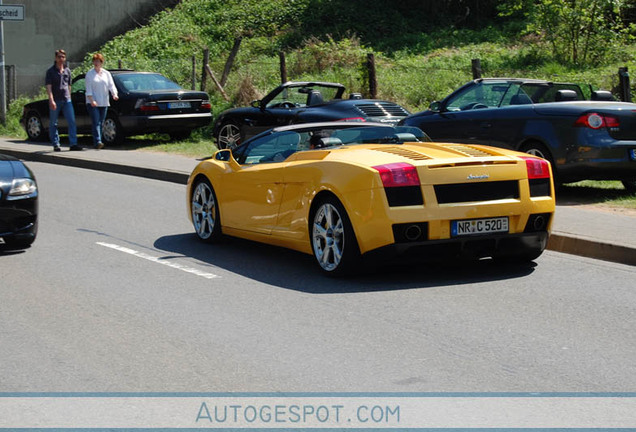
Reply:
x=345, y=191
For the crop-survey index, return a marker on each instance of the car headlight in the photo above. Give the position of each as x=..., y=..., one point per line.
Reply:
x=22, y=188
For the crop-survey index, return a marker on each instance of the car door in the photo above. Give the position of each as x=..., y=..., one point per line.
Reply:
x=78, y=98
x=251, y=192
x=467, y=116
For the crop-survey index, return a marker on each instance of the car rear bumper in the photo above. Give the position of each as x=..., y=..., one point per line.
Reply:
x=615, y=161
x=496, y=246
x=164, y=123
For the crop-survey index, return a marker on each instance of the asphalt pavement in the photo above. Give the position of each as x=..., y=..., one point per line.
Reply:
x=577, y=230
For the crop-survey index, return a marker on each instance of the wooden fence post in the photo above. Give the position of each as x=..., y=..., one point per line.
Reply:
x=476, y=68
x=283, y=67
x=216, y=82
x=230, y=60
x=624, y=85
x=373, y=80
x=206, y=59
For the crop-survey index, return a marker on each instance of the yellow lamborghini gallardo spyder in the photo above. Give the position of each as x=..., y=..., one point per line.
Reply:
x=343, y=191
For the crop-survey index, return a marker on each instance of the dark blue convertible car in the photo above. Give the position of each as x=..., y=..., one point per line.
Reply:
x=584, y=134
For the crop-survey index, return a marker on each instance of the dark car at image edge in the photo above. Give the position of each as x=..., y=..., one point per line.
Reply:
x=148, y=103
x=585, y=134
x=18, y=204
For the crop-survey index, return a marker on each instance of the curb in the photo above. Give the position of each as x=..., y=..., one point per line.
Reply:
x=150, y=173
x=557, y=242
x=592, y=249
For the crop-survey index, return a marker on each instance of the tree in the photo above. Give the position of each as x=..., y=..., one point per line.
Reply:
x=579, y=31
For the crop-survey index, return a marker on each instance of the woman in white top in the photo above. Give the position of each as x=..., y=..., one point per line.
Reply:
x=99, y=82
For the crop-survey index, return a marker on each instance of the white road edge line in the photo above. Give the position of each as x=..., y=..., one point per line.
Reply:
x=159, y=260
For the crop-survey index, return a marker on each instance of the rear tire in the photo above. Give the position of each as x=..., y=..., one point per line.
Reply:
x=535, y=148
x=333, y=240
x=112, y=132
x=205, y=212
x=630, y=185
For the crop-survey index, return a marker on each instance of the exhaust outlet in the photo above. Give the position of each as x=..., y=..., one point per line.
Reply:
x=539, y=223
x=412, y=232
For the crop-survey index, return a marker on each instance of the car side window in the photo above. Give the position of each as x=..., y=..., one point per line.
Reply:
x=481, y=95
x=271, y=148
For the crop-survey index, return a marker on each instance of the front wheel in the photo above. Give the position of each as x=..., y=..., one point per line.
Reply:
x=229, y=136
x=112, y=132
x=332, y=239
x=205, y=212
x=34, y=128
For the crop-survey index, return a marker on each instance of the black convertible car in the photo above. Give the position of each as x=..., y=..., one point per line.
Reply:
x=18, y=203
x=583, y=133
x=148, y=102
x=301, y=102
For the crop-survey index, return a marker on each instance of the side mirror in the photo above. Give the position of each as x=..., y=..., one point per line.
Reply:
x=256, y=104
x=435, y=106
x=223, y=155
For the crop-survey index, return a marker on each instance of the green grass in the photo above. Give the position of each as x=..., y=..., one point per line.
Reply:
x=609, y=193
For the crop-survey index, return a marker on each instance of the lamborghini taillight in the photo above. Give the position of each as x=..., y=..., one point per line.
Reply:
x=398, y=175
x=537, y=168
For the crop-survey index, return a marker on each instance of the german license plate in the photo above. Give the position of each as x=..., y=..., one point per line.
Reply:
x=479, y=226
x=178, y=105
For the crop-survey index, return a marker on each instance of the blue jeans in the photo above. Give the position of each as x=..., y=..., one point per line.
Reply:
x=98, y=115
x=66, y=108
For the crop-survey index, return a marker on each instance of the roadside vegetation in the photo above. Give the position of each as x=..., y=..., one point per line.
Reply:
x=423, y=50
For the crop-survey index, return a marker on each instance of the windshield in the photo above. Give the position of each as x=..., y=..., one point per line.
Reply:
x=302, y=96
x=145, y=82
x=278, y=146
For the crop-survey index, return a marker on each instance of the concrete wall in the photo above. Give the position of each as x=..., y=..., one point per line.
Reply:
x=77, y=26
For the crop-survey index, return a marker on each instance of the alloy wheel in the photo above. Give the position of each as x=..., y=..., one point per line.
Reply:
x=34, y=127
x=229, y=136
x=328, y=236
x=204, y=211
x=110, y=130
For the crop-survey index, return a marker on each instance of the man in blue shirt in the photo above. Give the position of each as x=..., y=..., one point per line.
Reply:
x=58, y=87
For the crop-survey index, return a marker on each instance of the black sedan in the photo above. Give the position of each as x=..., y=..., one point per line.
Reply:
x=148, y=102
x=301, y=102
x=18, y=204
x=584, y=134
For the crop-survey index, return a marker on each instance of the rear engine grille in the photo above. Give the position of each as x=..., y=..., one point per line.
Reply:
x=485, y=191
x=469, y=151
x=382, y=109
x=404, y=196
x=403, y=152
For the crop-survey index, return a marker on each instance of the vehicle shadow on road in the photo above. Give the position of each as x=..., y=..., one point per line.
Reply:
x=297, y=271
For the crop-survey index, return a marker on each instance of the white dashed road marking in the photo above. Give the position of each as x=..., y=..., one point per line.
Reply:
x=159, y=260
